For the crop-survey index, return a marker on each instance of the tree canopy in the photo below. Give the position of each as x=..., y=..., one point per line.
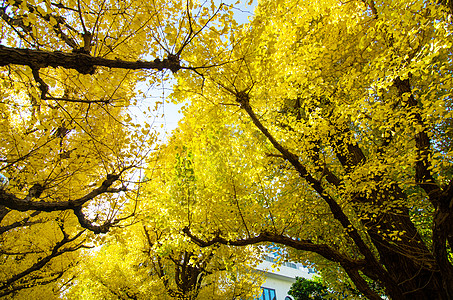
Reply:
x=323, y=127
x=306, y=289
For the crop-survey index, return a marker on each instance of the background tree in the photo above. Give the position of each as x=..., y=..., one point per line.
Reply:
x=153, y=259
x=69, y=140
x=344, y=103
x=305, y=289
x=322, y=127
x=37, y=251
x=142, y=262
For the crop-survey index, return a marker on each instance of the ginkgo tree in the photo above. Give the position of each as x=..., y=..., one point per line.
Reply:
x=69, y=142
x=338, y=116
x=321, y=126
x=71, y=67
x=151, y=262
x=153, y=259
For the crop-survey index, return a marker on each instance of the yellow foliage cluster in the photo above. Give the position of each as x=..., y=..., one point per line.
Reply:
x=320, y=126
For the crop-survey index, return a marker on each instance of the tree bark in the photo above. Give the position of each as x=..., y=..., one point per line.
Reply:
x=81, y=62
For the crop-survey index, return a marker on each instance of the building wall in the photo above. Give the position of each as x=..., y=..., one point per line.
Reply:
x=280, y=278
x=281, y=286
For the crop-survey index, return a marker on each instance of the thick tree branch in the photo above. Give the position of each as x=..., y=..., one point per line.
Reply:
x=83, y=63
x=87, y=224
x=350, y=265
x=349, y=155
x=105, y=101
x=423, y=175
x=12, y=202
x=370, y=4
x=362, y=285
x=305, y=245
x=443, y=217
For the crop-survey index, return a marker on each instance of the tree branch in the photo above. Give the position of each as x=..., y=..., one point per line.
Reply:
x=87, y=224
x=423, y=175
x=362, y=285
x=7, y=287
x=83, y=63
x=305, y=245
x=37, y=281
x=244, y=100
x=47, y=17
x=21, y=223
x=12, y=202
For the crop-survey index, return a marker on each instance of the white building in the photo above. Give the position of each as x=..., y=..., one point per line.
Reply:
x=280, y=278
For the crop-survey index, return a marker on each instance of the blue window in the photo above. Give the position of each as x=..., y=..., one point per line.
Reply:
x=268, y=294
